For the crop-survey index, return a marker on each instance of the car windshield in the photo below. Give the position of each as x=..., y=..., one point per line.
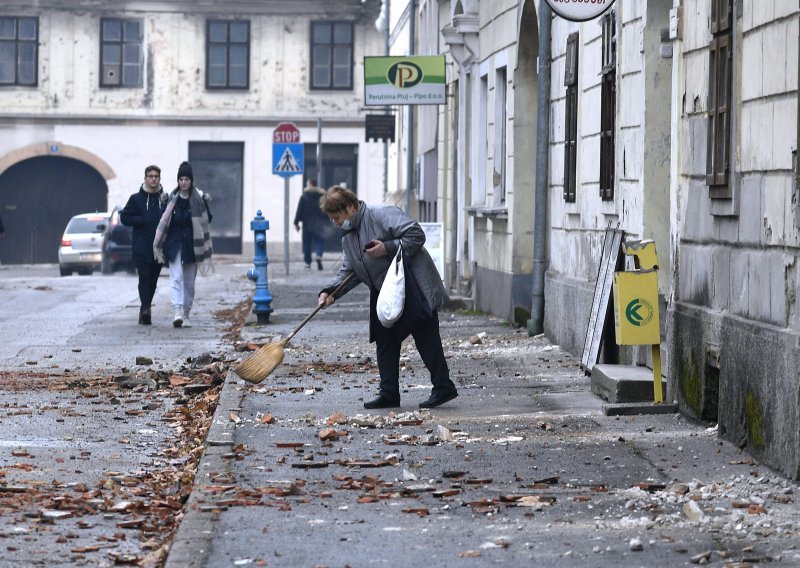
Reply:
x=85, y=224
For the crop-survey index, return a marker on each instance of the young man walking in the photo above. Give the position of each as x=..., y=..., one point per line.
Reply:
x=143, y=212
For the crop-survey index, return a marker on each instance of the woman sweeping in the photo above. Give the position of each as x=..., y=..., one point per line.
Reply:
x=184, y=242
x=372, y=236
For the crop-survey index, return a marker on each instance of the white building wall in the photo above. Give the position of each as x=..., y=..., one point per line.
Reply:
x=131, y=128
x=641, y=186
x=572, y=224
x=400, y=44
x=765, y=135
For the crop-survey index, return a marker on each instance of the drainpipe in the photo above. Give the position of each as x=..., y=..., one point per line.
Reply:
x=412, y=18
x=536, y=323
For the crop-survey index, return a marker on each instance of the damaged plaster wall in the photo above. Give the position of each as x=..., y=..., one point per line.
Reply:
x=737, y=275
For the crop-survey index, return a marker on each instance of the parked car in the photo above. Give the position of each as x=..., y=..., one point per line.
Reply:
x=117, y=246
x=82, y=243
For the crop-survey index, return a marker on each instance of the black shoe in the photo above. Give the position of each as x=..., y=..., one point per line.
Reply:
x=438, y=400
x=319, y=264
x=144, y=317
x=382, y=402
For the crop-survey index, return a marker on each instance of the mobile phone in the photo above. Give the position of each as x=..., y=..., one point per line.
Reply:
x=369, y=245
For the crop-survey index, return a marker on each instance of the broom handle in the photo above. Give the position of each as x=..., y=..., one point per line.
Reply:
x=318, y=308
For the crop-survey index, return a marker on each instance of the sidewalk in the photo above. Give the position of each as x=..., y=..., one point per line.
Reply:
x=522, y=469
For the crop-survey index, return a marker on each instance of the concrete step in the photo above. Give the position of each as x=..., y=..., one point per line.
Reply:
x=624, y=383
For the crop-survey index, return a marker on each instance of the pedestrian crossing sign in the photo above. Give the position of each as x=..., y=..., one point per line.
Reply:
x=287, y=159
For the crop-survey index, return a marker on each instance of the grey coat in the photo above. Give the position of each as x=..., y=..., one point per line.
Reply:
x=391, y=225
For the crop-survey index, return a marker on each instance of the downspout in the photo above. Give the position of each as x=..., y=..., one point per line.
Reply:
x=412, y=19
x=536, y=323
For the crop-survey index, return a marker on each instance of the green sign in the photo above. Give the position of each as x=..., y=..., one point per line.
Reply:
x=408, y=80
x=639, y=312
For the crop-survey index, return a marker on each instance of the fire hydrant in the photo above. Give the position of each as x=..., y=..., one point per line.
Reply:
x=262, y=300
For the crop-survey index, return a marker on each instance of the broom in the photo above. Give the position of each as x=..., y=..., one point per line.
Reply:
x=260, y=364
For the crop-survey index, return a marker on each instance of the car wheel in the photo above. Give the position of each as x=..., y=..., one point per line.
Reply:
x=64, y=271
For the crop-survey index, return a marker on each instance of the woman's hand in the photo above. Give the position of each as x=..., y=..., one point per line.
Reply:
x=375, y=248
x=326, y=300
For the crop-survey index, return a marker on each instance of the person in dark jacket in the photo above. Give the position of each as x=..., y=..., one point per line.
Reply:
x=142, y=212
x=314, y=222
x=183, y=240
x=372, y=235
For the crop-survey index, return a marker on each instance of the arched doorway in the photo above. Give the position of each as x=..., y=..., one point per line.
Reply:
x=38, y=196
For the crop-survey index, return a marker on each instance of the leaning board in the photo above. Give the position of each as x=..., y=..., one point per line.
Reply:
x=602, y=292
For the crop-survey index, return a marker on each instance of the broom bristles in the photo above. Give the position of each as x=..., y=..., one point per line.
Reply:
x=260, y=364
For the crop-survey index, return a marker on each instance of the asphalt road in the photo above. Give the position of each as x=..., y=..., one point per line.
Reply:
x=93, y=445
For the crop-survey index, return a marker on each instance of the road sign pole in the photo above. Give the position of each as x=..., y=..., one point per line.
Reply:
x=287, y=161
x=286, y=224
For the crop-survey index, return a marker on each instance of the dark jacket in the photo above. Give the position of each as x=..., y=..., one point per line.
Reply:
x=309, y=212
x=179, y=234
x=143, y=212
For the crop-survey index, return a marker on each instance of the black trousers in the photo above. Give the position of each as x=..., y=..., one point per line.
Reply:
x=429, y=346
x=148, y=280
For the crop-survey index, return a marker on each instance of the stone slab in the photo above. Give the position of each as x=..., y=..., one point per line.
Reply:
x=624, y=383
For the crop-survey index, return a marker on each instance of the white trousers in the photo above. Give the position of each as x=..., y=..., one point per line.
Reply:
x=182, y=278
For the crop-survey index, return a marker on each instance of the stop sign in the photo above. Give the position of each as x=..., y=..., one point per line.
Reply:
x=286, y=133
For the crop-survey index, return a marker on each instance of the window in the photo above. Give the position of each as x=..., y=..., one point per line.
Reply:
x=719, y=81
x=480, y=153
x=608, y=103
x=499, y=158
x=19, y=51
x=332, y=55
x=428, y=186
x=228, y=55
x=120, y=53
x=571, y=119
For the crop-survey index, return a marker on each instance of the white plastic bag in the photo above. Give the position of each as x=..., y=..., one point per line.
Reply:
x=392, y=296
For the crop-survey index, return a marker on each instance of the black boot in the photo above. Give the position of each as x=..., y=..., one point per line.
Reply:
x=438, y=399
x=382, y=402
x=144, y=316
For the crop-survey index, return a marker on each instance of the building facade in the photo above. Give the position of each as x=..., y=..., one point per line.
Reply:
x=609, y=153
x=674, y=121
x=469, y=167
x=91, y=94
x=733, y=320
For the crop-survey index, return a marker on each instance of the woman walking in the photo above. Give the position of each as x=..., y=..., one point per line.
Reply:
x=183, y=241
